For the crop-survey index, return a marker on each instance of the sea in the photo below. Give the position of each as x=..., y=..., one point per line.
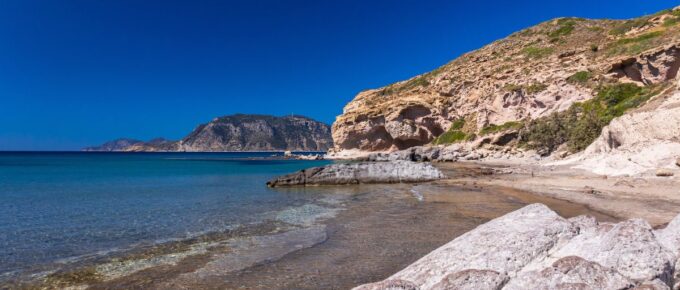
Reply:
x=57, y=207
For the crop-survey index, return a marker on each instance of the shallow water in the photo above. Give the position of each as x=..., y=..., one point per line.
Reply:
x=62, y=206
x=225, y=228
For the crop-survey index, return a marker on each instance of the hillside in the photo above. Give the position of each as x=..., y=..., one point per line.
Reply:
x=552, y=86
x=238, y=133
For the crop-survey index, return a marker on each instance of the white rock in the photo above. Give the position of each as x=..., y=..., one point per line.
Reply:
x=629, y=247
x=571, y=273
x=504, y=245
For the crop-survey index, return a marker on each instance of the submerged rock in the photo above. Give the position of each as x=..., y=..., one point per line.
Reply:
x=357, y=173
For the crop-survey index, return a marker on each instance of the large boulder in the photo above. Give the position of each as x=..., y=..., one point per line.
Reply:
x=358, y=173
x=504, y=245
x=630, y=247
x=670, y=236
x=472, y=280
x=571, y=273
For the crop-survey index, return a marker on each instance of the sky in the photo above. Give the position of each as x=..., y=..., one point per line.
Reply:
x=79, y=73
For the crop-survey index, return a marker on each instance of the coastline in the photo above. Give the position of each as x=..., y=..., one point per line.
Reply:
x=368, y=239
x=652, y=198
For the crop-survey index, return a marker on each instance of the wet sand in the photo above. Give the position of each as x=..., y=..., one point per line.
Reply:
x=655, y=199
x=379, y=230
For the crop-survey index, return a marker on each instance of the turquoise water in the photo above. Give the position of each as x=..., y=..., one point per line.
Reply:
x=56, y=206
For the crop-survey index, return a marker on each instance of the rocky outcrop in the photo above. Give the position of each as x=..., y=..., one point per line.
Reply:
x=238, y=133
x=529, y=74
x=259, y=133
x=358, y=173
x=534, y=248
x=451, y=153
x=571, y=273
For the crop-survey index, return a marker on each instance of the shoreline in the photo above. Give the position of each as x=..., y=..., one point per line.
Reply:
x=652, y=198
x=348, y=249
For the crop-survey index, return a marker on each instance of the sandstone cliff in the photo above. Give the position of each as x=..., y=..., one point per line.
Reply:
x=498, y=89
x=239, y=133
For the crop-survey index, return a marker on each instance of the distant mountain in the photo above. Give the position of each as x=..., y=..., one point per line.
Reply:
x=239, y=132
x=116, y=145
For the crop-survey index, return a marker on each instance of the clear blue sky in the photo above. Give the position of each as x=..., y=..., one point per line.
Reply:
x=77, y=73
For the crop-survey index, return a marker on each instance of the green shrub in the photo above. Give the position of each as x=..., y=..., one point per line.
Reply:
x=670, y=21
x=582, y=123
x=420, y=81
x=536, y=88
x=457, y=124
x=566, y=27
x=492, y=128
x=537, y=52
x=512, y=88
x=450, y=137
x=579, y=78
x=627, y=25
x=634, y=45
x=640, y=38
x=455, y=134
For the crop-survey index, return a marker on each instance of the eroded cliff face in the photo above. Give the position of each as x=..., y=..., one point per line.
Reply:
x=530, y=74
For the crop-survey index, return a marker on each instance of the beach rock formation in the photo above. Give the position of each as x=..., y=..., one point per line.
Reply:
x=239, y=133
x=450, y=153
x=534, y=248
x=571, y=272
x=358, y=173
x=492, y=95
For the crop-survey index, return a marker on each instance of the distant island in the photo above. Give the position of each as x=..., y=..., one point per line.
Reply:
x=240, y=132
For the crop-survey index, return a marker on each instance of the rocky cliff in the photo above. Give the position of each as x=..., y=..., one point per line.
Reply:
x=496, y=93
x=239, y=133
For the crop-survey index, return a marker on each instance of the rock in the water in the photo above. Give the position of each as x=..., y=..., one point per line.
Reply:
x=571, y=273
x=677, y=162
x=472, y=280
x=357, y=173
x=504, y=245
